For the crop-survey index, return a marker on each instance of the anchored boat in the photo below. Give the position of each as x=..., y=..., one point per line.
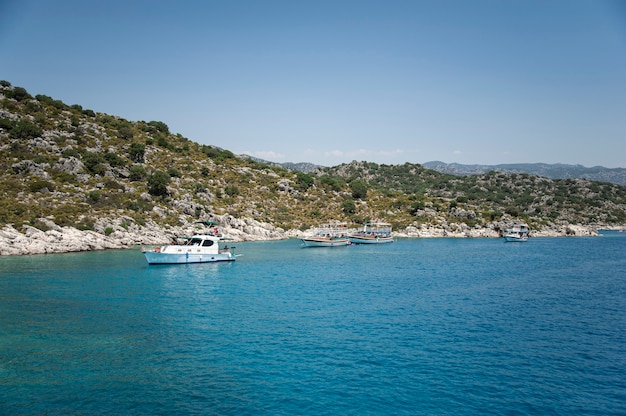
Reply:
x=328, y=235
x=518, y=232
x=200, y=248
x=373, y=233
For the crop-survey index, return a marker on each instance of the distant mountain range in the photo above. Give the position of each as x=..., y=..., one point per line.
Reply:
x=305, y=167
x=552, y=171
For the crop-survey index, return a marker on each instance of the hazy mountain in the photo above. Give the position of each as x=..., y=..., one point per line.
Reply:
x=305, y=167
x=552, y=171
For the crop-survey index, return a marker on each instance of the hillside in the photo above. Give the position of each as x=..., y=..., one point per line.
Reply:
x=65, y=166
x=488, y=197
x=552, y=171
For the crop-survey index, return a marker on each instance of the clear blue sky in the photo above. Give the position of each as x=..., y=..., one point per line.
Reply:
x=328, y=82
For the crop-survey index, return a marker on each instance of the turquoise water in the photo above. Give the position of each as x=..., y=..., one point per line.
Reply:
x=420, y=327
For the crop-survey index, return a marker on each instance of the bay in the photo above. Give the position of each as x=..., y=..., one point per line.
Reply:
x=421, y=326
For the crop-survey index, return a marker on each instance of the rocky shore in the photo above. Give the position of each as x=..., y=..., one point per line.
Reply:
x=125, y=233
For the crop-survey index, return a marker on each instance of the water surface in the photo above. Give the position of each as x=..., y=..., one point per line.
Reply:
x=421, y=326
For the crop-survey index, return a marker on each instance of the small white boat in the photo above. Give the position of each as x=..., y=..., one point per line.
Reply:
x=373, y=233
x=201, y=248
x=518, y=232
x=328, y=235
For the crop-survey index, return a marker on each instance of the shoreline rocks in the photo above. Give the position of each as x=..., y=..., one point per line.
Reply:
x=125, y=233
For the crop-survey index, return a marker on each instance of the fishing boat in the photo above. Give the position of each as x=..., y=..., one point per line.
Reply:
x=199, y=248
x=373, y=233
x=328, y=235
x=518, y=232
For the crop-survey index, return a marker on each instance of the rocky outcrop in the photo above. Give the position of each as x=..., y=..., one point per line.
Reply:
x=122, y=233
x=69, y=165
x=35, y=241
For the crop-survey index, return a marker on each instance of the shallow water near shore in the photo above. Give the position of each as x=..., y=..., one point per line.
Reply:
x=420, y=326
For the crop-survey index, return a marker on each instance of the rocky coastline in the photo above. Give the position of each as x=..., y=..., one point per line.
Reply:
x=124, y=233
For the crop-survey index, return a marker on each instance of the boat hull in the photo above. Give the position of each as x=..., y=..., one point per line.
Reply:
x=370, y=240
x=515, y=239
x=312, y=242
x=184, y=258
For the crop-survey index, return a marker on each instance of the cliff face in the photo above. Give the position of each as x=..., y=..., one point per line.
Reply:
x=74, y=179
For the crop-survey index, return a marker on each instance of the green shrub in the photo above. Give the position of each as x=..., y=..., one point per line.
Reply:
x=94, y=162
x=137, y=152
x=114, y=160
x=125, y=132
x=231, y=190
x=71, y=152
x=39, y=185
x=157, y=183
x=137, y=173
x=111, y=184
x=217, y=154
x=359, y=189
x=94, y=197
x=162, y=141
x=18, y=94
x=331, y=183
x=348, y=206
x=304, y=181
x=199, y=187
x=173, y=172
x=159, y=126
x=24, y=129
x=6, y=124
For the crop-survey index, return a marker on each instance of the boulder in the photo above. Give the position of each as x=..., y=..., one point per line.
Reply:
x=69, y=165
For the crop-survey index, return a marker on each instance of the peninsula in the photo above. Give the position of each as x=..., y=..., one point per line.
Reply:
x=74, y=179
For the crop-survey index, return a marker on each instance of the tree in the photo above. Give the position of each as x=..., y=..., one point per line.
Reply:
x=359, y=189
x=304, y=180
x=125, y=132
x=331, y=183
x=18, y=93
x=159, y=126
x=157, y=183
x=94, y=162
x=24, y=129
x=137, y=152
x=348, y=206
x=137, y=173
x=113, y=159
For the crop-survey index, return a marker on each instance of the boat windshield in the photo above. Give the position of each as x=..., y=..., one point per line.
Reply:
x=194, y=242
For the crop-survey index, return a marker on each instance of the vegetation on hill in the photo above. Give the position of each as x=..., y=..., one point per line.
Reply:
x=72, y=166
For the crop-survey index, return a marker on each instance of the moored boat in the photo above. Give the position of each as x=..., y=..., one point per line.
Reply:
x=328, y=235
x=200, y=248
x=373, y=233
x=519, y=232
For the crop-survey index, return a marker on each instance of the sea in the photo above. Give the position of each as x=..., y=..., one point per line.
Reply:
x=418, y=327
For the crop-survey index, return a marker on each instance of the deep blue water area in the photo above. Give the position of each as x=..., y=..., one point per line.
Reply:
x=417, y=327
